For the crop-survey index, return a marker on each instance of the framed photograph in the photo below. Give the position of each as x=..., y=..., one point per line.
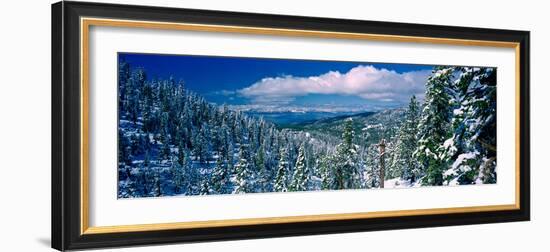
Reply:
x=179, y=125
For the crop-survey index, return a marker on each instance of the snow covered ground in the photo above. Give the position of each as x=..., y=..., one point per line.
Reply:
x=399, y=183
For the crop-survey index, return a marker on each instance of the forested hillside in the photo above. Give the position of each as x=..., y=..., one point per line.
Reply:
x=174, y=142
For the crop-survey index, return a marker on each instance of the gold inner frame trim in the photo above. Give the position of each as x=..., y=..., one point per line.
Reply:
x=289, y=219
x=86, y=23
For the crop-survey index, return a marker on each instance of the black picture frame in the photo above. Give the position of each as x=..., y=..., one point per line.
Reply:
x=66, y=124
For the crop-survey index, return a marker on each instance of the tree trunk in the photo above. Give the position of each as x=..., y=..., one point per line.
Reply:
x=382, y=148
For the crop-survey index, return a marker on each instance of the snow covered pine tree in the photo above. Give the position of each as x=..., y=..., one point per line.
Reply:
x=434, y=126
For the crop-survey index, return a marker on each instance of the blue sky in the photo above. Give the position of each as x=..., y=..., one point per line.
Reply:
x=278, y=84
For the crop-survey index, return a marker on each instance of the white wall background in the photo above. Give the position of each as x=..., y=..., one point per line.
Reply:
x=25, y=125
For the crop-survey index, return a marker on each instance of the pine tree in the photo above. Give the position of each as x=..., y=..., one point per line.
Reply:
x=165, y=149
x=281, y=177
x=124, y=149
x=200, y=146
x=178, y=176
x=220, y=177
x=205, y=188
x=325, y=169
x=434, y=126
x=405, y=165
x=262, y=172
x=242, y=168
x=181, y=153
x=346, y=168
x=300, y=178
x=190, y=175
x=157, y=191
x=372, y=179
x=123, y=76
x=472, y=148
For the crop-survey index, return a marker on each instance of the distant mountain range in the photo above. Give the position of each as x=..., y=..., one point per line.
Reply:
x=368, y=126
x=291, y=118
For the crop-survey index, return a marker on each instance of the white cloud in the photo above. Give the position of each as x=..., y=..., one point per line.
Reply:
x=366, y=82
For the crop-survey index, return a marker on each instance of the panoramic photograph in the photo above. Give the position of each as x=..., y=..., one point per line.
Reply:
x=208, y=125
